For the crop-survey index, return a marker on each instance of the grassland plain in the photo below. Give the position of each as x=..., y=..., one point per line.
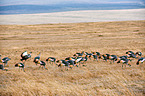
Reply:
x=63, y=40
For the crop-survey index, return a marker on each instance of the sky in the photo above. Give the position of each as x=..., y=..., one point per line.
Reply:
x=49, y=2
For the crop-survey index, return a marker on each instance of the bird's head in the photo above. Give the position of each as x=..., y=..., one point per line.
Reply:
x=47, y=59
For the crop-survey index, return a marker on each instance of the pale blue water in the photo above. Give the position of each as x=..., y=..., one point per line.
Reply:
x=32, y=9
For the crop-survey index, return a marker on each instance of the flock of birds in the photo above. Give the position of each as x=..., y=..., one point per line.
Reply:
x=78, y=59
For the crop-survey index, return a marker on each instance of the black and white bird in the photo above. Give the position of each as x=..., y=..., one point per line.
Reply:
x=2, y=67
x=123, y=57
x=71, y=63
x=125, y=61
x=62, y=64
x=130, y=52
x=113, y=58
x=89, y=55
x=104, y=57
x=37, y=58
x=42, y=64
x=131, y=55
x=71, y=58
x=138, y=54
x=51, y=60
x=81, y=60
x=79, y=54
x=98, y=54
x=25, y=56
x=20, y=65
x=140, y=60
x=5, y=60
x=95, y=56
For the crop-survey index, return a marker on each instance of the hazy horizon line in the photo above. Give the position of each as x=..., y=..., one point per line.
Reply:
x=68, y=3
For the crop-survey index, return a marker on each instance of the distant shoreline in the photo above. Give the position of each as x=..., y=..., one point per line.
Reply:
x=73, y=17
x=34, y=9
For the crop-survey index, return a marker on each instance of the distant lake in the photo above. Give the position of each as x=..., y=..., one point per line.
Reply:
x=32, y=9
x=74, y=16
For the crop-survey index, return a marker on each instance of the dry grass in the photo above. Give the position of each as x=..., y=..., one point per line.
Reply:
x=63, y=40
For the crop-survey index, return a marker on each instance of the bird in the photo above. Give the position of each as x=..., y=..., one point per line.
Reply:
x=95, y=56
x=81, y=60
x=113, y=58
x=5, y=60
x=70, y=58
x=125, y=61
x=89, y=55
x=131, y=56
x=130, y=52
x=98, y=54
x=62, y=64
x=138, y=53
x=20, y=65
x=104, y=57
x=79, y=54
x=78, y=60
x=37, y=58
x=2, y=67
x=42, y=64
x=25, y=56
x=122, y=57
x=85, y=58
x=107, y=55
x=140, y=60
x=51, y=60
x=71, y=63
x=24, y=53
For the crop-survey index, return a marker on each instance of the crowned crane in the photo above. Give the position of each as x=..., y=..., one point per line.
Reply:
x=122, y=57
x=125, y=61
x=140, y=60
x=42, y=64
x=5, y=60
x=37, y=58
x=95, y=56
x=85, y=59
x=70, y=58
x=98, y=54
x=107, y=55
x=25, y=56
x=131, y=56
x=89, y=55
x=104, y=57
x=20, y=65
x=79, y=54
x=71, y=63
x=62, y=64
x=113, y=58
x=51, y=60
x=2, y=67
x=130, y=52
x=138, y=54
x=81, y=60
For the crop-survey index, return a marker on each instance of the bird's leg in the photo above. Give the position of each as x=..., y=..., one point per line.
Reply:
x=23, y=70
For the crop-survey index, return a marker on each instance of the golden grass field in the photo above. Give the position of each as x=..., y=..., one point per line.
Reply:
x=63, y=40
